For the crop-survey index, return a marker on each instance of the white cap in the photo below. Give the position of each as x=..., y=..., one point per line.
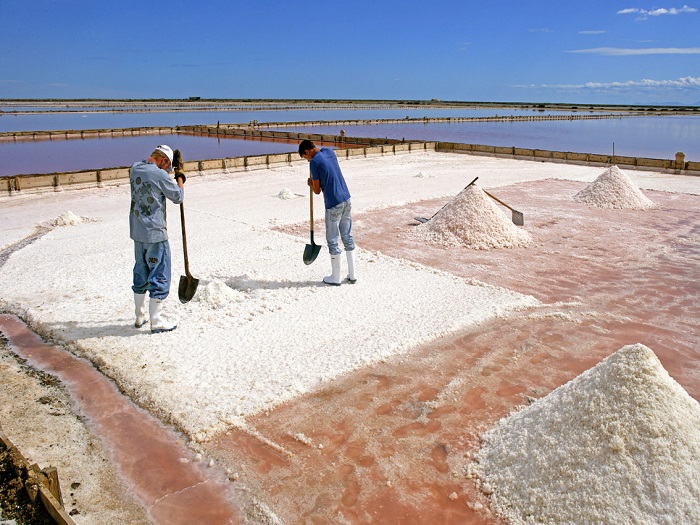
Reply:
x=167, y=151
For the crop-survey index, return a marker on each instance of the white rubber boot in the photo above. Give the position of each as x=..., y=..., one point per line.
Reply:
x=158, y=324
x=352, y=278
x=141, y=310
x=334, y=278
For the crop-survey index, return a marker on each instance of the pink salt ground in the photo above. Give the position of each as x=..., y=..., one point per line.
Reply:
x=396, y=436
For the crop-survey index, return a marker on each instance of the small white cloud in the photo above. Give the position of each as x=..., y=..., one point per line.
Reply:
x=656, y=12
x=618, y=51
x=684, y=83
x=594, y=32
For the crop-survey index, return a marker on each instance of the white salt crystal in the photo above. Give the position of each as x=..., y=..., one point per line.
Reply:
x=67, y=218
x=614, y=189
x=620, y=443
x=472, y=220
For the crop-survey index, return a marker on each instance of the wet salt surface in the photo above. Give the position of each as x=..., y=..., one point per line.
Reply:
x=398, y=437
x=394, y=435
x=153, y=461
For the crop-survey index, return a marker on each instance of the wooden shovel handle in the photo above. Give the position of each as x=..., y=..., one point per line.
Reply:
x=311, y=205
x=498, y=200
x=184, y=240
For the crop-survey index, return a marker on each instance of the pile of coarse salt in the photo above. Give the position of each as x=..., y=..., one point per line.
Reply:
x=620, y=443
x=286, y=194
x=67, y=218
x=473, y=220
x=218, y=294
x=614, y=189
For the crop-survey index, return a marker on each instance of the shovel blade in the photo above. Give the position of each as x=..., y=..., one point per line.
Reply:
x=422, y=220
x=187, y=288
x=311, y=252
x=518, y=218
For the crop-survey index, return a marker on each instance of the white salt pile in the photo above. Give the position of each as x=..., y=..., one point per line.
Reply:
x=618, y=444
x=614, y=189
x=286, y=194
x=67, y=219
x=218, y=294
x=473, y=220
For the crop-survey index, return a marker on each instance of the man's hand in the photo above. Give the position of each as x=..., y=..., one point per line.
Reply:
x=179, y=166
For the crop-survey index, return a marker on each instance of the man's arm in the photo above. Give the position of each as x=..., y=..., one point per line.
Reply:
x=315, y=185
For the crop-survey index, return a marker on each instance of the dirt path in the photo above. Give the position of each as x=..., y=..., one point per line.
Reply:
x=390, y=443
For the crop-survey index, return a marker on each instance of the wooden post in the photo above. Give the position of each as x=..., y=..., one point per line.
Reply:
x=54, y=487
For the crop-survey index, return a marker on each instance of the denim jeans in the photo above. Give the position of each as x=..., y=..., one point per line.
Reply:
x=339, y=224
x=152, y=269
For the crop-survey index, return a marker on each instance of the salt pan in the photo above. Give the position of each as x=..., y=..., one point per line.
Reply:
x=614, y=189
x=618, y=444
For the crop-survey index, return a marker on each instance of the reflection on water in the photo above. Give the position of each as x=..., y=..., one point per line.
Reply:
x=48, y=156
x=87, y=120
x=651, y=137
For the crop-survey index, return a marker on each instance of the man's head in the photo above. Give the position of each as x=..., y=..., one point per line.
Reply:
x=163, y=155
x=306, y=148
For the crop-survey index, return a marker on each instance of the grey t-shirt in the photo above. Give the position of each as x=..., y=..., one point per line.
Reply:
x=150, y=186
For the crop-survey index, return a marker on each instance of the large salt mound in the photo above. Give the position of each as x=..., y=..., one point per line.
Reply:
x=473, y=220
x=618, y=444
x=614, y=189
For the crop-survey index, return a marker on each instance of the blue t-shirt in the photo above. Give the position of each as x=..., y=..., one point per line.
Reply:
x=325, y=168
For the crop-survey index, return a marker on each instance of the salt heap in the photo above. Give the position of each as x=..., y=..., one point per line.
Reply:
x=286, y=194
x=67, y=219
x=218, y=294
x=618, y=444
x=472, y=219
x=614, y=189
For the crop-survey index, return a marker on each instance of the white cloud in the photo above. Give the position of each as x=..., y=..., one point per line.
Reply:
x=619, y=51
x=656, y=12
x=684, y=83
x=595, y=32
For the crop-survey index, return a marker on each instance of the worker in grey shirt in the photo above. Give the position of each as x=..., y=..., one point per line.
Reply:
x=151, y=185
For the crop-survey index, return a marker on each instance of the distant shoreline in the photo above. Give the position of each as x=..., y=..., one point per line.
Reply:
x=200, y=104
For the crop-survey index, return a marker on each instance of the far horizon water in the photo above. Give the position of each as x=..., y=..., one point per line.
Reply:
x=640, y=136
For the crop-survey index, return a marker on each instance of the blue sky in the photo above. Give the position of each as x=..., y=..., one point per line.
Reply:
x=597, y=51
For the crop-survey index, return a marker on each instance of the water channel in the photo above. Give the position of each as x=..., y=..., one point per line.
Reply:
x=634, y=136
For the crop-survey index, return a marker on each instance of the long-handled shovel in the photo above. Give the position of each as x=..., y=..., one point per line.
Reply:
x=517, y=216
x=424, y=220
x=188, y=284
x=311, y=250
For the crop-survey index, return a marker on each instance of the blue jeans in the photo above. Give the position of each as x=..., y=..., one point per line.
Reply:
x=339, y=224
x=152, y=269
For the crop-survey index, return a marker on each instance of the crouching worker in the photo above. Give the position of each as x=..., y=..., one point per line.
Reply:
x=327, y=177
x=150, y=186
